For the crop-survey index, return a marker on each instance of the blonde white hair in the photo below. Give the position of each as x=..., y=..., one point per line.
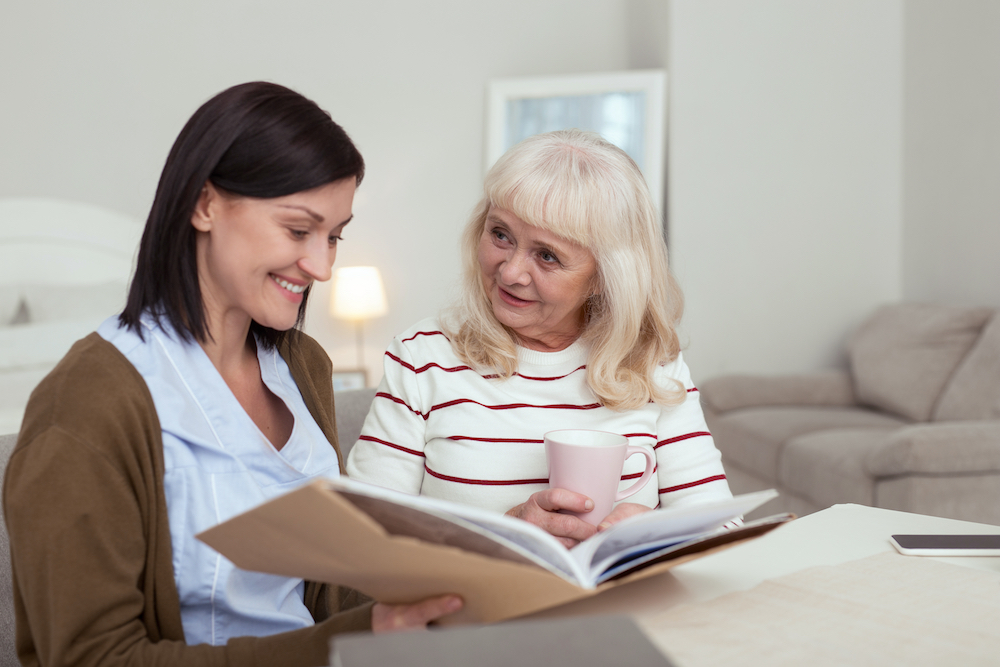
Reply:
x=580, y=187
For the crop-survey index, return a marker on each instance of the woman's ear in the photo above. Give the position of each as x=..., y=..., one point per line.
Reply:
x=201, y=218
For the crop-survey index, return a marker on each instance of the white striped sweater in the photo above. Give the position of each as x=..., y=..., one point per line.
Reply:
x=439, y=428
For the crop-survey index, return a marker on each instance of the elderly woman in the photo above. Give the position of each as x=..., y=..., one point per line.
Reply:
x=198, y=402
x=567, y=321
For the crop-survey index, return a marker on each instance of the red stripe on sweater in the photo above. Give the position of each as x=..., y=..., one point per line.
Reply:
x=392, y=444
x=686, y=436
x=530, y=440
x=508, y=406
x=484, y=482
x=713, y=478
x=456, y=369
x=469, y=437
x=692, y=389
x=545, y=379
x=410, y=367
x=503, y=482
x=424, y=333
x=636, y=475
x=392, y=398
x=511, y=406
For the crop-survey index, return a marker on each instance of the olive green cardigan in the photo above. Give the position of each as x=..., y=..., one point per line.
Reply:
x=89, y=538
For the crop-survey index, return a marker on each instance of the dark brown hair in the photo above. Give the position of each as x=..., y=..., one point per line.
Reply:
x=254, y=140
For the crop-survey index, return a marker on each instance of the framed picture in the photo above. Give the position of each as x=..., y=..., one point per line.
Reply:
x=629, y=109
x=350, y=379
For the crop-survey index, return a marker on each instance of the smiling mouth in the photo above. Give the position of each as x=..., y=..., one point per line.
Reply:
x=291, y=287
x=511, y=299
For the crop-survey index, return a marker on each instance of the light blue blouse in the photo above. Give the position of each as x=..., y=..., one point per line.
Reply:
x=219, y=464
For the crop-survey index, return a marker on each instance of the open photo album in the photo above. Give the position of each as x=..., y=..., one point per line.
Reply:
x=399, y=548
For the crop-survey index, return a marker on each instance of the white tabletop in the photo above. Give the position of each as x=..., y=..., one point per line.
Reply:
x=832, y=536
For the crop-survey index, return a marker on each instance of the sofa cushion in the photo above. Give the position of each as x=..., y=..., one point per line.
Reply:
x=10, y=301
x=48, y=303
x=965, y=497
x=904, y=355
x=753, y=438
x=828, y=467
x=938, y=448
x=733, y=392
x=974, y=389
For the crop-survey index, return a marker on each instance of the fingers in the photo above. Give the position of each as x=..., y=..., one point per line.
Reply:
x=416, y=616
x=552, y=500
x=570, y=530
x=540, y=509
x=620, y=512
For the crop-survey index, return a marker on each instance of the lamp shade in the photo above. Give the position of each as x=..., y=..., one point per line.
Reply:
x=357, y=293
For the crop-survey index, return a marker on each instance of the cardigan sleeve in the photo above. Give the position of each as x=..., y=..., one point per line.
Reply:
x=90, y=545
x=78, y=548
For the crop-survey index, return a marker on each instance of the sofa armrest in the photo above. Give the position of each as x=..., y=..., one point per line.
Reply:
x=732, y=392
x=941, y=447
x=351, y=408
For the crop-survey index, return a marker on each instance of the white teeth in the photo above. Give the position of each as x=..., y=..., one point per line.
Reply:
x=294, y=289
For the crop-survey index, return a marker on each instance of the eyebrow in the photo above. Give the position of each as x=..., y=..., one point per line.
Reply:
x=311, y=213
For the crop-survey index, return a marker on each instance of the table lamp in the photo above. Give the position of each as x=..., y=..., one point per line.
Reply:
x=357, y=296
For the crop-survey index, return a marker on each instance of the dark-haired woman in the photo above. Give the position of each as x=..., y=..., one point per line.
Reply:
x=198, y=402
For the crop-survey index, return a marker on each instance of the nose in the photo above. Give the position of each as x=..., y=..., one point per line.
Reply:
x=317, y=260
x=514, y=269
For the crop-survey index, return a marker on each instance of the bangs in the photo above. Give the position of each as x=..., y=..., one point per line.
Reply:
x=557, y=189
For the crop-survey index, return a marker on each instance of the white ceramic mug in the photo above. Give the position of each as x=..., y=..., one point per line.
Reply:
x=591, y=462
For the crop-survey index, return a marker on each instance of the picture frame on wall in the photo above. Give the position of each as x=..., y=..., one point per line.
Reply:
x=346, y=380
x=629, y=109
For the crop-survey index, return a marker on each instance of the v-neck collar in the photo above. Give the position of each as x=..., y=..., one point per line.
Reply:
x=195, y=405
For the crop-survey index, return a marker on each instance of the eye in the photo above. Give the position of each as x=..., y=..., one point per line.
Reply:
x=499, y=234
x=548, y=257
x=298, y=234
x=334, y=239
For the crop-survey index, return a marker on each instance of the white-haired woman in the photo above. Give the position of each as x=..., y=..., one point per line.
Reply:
x=567, y=321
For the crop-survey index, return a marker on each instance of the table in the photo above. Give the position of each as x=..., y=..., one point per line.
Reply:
x=837, y=536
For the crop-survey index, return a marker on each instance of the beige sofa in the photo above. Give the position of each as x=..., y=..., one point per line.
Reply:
x=913, y=425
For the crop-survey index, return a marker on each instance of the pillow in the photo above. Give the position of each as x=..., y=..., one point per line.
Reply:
x=22, y=316
x=904, y=355
x=41, y=345
x=974, y=389
x=10, y=301
x=48, y=303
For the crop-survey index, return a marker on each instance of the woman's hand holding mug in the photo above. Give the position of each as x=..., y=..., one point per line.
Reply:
x=585, y=469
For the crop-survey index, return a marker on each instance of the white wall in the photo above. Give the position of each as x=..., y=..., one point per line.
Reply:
x=785, y=176
x=951, y=198
x=826, y=155
x=94, y=94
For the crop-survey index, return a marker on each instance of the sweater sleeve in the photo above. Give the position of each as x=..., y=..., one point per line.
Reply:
x=390, y=450
x=689, y=467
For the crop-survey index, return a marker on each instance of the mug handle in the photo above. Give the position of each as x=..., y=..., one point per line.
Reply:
x=646, y=474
